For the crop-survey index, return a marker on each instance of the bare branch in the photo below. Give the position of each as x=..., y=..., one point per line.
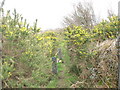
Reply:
x=2, y=4
x=83, y=15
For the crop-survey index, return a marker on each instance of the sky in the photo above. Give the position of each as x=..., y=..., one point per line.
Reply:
x=50, y=13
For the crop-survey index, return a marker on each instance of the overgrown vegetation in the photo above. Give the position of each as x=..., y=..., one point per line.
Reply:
x=89, y=54
x=89, y=64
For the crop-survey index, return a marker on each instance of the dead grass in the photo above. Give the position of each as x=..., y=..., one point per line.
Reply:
x=104, y=66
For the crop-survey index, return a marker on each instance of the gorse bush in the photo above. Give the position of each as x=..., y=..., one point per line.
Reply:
x=48, y=41
x=81, y=38
x=77, y=35
x=26, y=52
x=107, y=29
x=81, y=46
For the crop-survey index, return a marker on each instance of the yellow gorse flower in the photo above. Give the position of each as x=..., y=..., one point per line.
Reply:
x=10, y=33
x=40, y=38
x=47, y=37
x=4, y=26
x=9, y=73
x=23, y=29
x=28, y=53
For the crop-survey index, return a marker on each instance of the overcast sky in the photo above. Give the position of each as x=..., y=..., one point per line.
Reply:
x=50, y=13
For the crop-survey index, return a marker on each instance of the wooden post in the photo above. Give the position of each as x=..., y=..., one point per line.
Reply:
x=59, y=54
x=118, y=54
x=118, y=45
x=0, y=61
x=54, y=65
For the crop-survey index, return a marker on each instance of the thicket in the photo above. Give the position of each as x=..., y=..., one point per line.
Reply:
x=86, y=57
x=26, y=53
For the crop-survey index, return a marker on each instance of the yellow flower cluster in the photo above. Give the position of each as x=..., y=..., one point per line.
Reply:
x=9, y=33
x=39, y=38
x=29, y=53
x=23, y=29
x=4, y=26
x=9, y=74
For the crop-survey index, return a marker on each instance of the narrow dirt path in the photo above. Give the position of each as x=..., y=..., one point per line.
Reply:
x=63, y=79
x=63, y=74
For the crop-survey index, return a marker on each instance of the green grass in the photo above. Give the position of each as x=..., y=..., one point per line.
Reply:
x=68, y=78
x=63, y=79
x=53, y=83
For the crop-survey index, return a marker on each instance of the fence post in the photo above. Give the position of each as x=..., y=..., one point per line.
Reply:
x=59, y=54
x=118, y=45
x=118, y=55
x=54, y=65
x=0, y=61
